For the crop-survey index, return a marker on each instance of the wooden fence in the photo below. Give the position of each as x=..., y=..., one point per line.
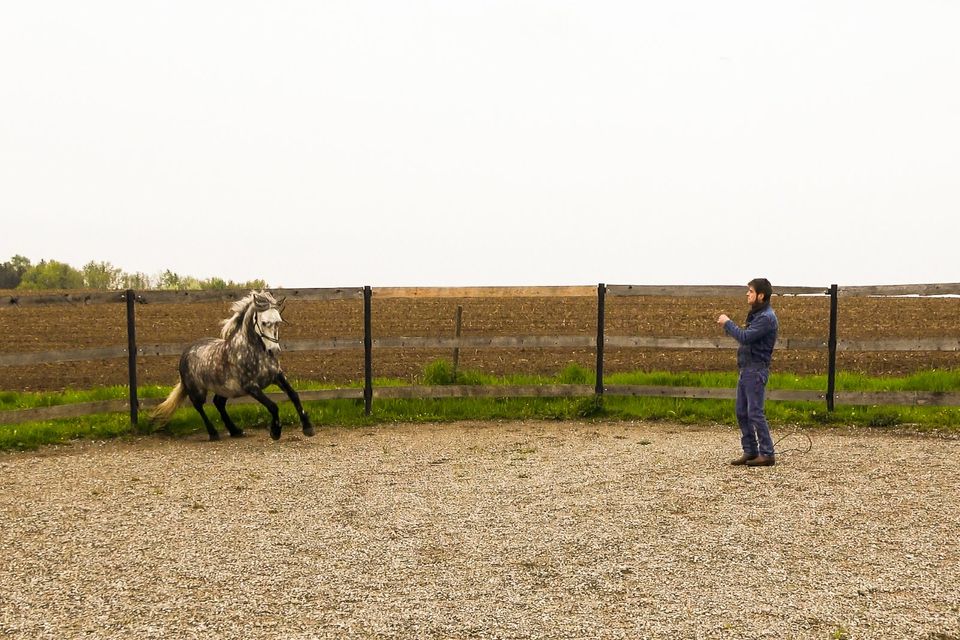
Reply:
x=831, y=344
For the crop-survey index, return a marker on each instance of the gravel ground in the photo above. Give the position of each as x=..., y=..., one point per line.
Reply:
x=483, y=530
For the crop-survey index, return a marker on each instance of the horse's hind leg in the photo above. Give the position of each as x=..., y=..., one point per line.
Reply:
x=198, y=405
x=220, y=403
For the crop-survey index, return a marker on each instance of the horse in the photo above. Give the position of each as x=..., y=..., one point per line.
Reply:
x=242, y=361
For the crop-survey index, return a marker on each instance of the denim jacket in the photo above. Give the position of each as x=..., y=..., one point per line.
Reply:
x=756, y=339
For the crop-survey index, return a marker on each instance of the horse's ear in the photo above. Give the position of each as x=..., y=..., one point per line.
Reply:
x=260, y=302
x=281, y=304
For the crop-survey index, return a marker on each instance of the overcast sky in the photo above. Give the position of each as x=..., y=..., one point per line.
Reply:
x=454, y=142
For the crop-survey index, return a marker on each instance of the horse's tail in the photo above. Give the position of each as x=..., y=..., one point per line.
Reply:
x=161, y=415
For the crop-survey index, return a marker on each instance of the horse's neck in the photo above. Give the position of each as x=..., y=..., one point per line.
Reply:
x=245, y=336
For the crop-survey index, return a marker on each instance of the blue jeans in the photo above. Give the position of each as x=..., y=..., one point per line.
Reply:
x=754, y=430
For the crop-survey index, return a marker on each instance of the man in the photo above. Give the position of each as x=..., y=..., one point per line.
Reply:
x=756, y=339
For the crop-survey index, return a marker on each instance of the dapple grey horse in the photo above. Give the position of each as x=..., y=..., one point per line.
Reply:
x=242, y=361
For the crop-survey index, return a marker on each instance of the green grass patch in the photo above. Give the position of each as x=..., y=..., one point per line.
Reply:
x=31, y=435
x=350, y=412
x=12, y=400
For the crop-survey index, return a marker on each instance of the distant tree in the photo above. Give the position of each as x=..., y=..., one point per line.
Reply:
x=9, y=279
x=102, y=275
x=217, y=284
x=51, y=275
x=20, y=263
x=11, y=272
x=138, y=280
x=169, y=280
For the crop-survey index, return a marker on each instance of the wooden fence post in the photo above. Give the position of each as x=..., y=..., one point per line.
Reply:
x=131, y=297
x=832, y=349
x=367, y=352
x=601, y=296
x=458, y=319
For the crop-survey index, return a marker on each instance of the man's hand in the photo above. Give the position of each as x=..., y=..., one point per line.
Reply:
x=722, y=320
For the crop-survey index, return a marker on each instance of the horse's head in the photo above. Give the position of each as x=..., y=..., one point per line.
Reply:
x=267, y=319
x=256, y=317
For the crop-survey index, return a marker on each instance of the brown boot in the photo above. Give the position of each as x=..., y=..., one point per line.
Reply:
x=744, y=459
x=762, y=461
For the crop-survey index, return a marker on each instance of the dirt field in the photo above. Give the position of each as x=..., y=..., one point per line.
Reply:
x=512, y=530
x=58, y=327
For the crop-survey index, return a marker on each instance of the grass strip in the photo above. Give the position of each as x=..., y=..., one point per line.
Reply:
x=350, y=412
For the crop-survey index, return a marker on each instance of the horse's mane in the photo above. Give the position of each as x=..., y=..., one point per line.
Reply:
x=234, y=323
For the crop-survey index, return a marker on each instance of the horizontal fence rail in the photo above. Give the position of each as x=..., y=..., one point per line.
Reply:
x=368, y=343
x=942, y=289
x=484, y=292
x=79, y=409
x=900, y=344
x=351, y=293
x=64, y=355
x=180, y=297
x=702, y=291
x=174, y=297
x=499, y=342
x=855, y=398
x=61, y=411
x=920, y=398
x=484, y=391
x=708, y=393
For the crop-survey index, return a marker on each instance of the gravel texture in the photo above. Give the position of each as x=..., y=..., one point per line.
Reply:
x=483, y=530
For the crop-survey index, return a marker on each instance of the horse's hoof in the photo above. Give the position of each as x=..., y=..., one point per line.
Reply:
x=275, y=433
x=237, y=434
x=308, y=430
x=214, y=437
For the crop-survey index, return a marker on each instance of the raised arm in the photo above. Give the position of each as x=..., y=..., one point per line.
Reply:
x=761, y=326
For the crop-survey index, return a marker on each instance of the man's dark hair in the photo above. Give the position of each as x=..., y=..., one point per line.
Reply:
x=762, y=285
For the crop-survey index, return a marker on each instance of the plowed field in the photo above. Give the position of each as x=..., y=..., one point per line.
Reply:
x=30, y=329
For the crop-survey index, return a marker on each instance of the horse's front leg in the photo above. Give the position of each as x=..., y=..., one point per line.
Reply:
x=295, y=399
x=271, y=406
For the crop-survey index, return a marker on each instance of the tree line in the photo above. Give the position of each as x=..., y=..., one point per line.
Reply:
x=19, y=273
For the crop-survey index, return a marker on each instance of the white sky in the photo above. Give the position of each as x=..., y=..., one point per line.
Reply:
x=455, y=142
